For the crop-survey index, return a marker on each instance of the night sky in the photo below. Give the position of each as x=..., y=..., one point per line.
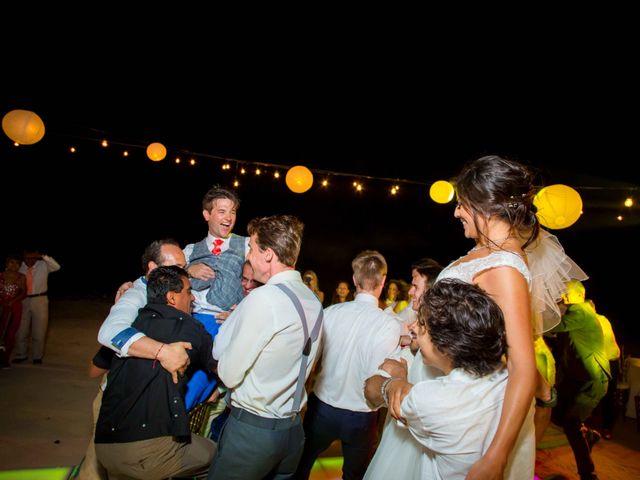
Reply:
x=95, y=211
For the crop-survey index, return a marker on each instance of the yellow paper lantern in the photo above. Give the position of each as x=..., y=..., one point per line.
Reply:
x=559, y=206
x=299, y=179
x=23, y=127
x=441, y=191
x=156, y=152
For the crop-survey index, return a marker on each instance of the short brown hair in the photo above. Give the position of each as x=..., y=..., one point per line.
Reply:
x=216, y=193
x=280, y=233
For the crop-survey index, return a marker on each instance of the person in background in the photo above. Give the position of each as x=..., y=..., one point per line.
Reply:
x=396, y=296
x=357, y=337
x=397, y=443
x=310, y=279
x=546, y=365
x=13, y=289
x=583, y=375
x=248, y=283
x=342, y=293
x=607, y=404
x=35, y=307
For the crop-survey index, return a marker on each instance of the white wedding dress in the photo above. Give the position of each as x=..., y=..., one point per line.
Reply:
x=399, y=455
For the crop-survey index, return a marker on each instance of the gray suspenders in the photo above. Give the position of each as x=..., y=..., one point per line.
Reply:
x=308, y=340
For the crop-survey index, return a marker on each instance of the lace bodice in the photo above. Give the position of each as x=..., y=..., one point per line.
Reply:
x=467, y=271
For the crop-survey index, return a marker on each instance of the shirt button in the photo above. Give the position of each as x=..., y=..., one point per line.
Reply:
x=175, y=415
x=144, y=425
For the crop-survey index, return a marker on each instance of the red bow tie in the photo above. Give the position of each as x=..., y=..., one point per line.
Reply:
x=216, y=246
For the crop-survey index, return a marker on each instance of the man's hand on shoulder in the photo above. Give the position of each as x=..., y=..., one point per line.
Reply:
x=123, y=288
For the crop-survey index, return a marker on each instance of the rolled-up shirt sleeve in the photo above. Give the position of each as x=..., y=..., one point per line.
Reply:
x=116, y=331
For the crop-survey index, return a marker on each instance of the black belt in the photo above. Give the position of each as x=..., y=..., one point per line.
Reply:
x=262, y=422
x=37, y=295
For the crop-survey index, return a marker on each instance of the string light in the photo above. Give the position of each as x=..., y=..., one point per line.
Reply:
x=261, y=168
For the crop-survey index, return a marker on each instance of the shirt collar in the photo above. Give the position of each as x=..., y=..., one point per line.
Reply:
x=367, y=298
x=286, y=276
x=211, y=238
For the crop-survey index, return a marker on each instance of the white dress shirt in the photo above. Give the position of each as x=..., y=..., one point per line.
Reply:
x=455, y=417
x=358, y=336
x=115, y=332
x=260, y=346
x=40, y=273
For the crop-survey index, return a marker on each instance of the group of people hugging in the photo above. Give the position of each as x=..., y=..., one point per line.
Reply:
x=229, y=322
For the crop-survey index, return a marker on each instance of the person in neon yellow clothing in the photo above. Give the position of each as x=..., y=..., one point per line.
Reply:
x=583, y=373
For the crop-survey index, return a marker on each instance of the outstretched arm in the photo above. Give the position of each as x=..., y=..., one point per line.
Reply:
x=510, y=291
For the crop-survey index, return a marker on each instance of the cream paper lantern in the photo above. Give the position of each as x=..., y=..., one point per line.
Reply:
x=299, y=179
x=441, y=191
x=559, y=206
x=156, y=152
x=23, y=127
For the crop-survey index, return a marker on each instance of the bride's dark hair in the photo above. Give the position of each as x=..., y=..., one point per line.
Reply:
x=494, y=186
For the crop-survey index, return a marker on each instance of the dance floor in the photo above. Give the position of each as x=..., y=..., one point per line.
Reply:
x=617, y=459
x=45, y=412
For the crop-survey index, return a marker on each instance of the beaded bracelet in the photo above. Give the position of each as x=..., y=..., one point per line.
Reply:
x=383, y=388
x=155, y=359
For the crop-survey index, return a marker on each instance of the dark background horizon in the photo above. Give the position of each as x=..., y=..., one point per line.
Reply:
x=95, y=211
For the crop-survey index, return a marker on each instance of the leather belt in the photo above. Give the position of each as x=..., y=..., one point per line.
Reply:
x=245, y=416
x=37, y=295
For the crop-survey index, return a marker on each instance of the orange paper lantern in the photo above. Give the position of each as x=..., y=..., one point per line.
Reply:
x=156, y=152
x=559, y=206
x=299, y=179
x=23, y=127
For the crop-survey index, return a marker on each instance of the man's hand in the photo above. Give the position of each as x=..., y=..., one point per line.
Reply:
x=175, y=359
x=201, y=271
x=123, y=288
x=222, y=316
x=214, y=396
x=396, y=391
x=395, y=368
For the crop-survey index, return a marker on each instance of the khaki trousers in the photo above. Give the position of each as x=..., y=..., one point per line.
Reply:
x=156, y=458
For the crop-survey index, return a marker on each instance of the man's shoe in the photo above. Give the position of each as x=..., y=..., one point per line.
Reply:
x=37, y=361
x=19, y=360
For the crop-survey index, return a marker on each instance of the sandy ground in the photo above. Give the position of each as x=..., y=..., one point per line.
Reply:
x=45, y=410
